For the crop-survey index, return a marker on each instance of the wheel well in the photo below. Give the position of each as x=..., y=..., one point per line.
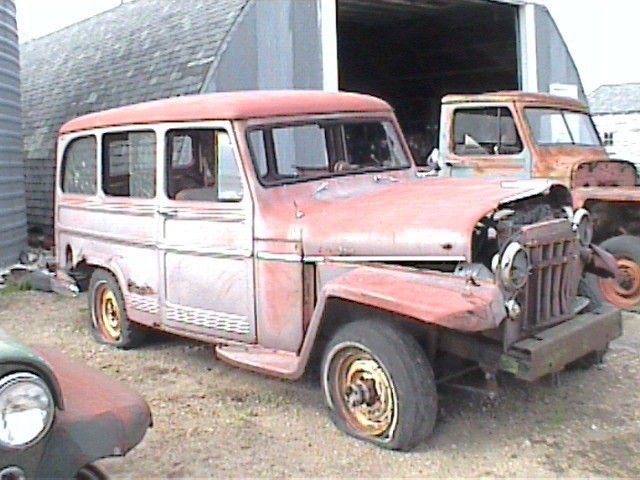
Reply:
x=339, y=312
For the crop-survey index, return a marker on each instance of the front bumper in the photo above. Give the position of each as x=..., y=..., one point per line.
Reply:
x=550, y=350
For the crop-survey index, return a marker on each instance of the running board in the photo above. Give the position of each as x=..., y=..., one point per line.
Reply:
x=277, y=363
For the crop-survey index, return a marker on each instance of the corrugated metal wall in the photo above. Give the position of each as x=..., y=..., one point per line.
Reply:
x=13, y=216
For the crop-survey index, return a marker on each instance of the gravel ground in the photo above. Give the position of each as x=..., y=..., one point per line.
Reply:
x=212, y=420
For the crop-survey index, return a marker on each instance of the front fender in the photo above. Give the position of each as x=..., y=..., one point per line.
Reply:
x=101, y=419
x=430, y=297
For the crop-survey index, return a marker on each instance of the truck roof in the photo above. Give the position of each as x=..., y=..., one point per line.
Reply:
x=540, y=99
x=230, y=106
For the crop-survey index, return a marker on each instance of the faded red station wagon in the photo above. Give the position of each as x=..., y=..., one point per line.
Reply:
x=287, y=227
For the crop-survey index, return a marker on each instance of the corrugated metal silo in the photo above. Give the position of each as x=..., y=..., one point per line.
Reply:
x=13, y=216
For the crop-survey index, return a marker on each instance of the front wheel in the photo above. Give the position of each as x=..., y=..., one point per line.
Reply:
x=623, y=291
x=90, y=472
x=379, y=385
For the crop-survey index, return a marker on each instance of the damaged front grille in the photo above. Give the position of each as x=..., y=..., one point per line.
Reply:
x=550, y=293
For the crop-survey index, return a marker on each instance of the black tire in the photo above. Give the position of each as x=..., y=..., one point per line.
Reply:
x=109, y=321
x=589, y=288
x=91, y=472
x=398, y=360
x=625, y=292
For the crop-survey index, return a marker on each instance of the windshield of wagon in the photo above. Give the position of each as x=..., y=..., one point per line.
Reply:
x=319, y=149
x=554, y=127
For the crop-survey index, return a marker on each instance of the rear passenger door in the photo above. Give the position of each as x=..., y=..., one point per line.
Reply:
x=206, y=244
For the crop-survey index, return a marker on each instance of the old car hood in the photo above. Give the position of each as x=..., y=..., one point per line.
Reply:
x=411, y=219
x=557, y=162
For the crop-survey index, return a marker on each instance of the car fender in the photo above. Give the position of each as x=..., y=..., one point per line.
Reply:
x=427, y=297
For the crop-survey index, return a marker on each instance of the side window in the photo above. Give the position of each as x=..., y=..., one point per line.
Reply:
x=201, y=166
x=129, y=164
x=485, y=131
x=79, y=166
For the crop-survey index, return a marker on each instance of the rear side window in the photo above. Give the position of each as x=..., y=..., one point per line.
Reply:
x=129, y=164
x=79, y=166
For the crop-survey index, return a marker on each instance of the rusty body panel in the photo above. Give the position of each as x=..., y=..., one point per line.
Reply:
x=95, y=418
x=390, y=221
x=535, y=161
x=326, y=227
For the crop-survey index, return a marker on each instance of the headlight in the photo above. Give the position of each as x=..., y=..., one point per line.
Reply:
x=583, y=227
x=514, y=266
x=26, y=410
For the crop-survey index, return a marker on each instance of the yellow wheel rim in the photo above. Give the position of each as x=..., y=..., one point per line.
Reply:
x=109, y=316
x=365, y=394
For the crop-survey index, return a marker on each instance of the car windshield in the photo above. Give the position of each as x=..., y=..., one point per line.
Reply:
x=561, y=127
x=319, y=149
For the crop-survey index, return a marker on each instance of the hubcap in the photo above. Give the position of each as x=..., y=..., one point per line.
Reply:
x=108, y=313
x=363, y=392
x=624, y=290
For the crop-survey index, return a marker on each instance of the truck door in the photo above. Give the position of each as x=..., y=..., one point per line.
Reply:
x=483, y=141
x=206, y=243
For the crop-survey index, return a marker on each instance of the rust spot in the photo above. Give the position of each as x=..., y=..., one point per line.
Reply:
x=447, y=246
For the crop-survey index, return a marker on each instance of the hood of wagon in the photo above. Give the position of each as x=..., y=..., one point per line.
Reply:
x=410, y=219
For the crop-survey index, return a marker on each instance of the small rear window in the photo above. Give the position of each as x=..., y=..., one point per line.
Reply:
x=79, y=166
x=129, y=164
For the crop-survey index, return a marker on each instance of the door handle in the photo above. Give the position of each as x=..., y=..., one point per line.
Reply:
x=168, y=211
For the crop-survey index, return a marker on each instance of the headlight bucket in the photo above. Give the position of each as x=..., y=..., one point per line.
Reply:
x=583, y=226
x=27, y=409
x=514, y=266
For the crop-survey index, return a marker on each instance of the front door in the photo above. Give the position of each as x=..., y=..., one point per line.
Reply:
x=484, y=142
x=206, y=245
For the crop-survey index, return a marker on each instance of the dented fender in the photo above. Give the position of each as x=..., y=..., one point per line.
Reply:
x=430, y=297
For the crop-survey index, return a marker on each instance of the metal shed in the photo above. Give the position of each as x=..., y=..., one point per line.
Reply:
x=13, y=220
x=410, y=53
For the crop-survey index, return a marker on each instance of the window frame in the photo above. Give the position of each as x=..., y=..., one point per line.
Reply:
x=63, y=162
x=213, y=129
x=332, y=148
x=104, y=165
x=486, y=107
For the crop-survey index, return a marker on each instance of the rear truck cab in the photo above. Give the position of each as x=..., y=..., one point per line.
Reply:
x=289, y=227
x=57, y=417
x=524, y=135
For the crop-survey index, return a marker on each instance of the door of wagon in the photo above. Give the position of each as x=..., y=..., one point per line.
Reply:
x=484, y=141
x=206, y=231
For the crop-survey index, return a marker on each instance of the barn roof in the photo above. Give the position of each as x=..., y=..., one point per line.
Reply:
x=139, y=51
x=615, y=99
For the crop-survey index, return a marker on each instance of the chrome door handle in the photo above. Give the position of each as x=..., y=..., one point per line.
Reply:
x=168, y=211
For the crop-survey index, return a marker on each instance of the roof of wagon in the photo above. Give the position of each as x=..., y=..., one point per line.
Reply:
x=229, y=106
x=540, y=99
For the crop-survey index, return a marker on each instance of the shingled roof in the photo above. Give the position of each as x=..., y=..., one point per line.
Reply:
x=615, y=99
x=142, y=50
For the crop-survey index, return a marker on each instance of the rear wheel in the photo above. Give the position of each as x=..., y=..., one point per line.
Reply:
x=109, y=321
x=624, y=290
x=379, y=385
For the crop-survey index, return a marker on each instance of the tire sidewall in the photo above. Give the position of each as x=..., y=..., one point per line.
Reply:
x=409, y=375
x=99, y=279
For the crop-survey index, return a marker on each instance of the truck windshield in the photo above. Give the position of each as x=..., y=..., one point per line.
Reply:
x=319, y=149
x=551, y=127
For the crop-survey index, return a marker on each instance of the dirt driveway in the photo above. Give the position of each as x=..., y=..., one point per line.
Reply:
x=212, y=420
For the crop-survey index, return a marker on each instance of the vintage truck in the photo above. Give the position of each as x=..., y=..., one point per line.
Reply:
x=57, y=417
x=290, y=227
x=524, y=135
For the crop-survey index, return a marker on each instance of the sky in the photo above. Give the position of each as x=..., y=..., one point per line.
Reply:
x=602, y=35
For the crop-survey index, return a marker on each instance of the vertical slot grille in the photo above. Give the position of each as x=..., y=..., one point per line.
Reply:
x=555, y=273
